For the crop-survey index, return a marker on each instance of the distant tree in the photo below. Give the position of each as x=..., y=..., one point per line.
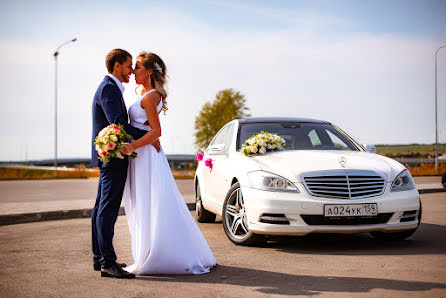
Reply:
x=228, y=105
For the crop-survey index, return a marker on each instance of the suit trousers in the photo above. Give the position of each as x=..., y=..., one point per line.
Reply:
x=108, y=201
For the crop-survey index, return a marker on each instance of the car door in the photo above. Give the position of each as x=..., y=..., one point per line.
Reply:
x=208, y=183
x=218, y=177
x=222, y=167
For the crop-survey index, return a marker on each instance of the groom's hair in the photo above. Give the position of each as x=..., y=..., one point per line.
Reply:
x=116, y=55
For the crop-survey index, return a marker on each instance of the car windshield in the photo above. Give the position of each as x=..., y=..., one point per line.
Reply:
x=301, y=136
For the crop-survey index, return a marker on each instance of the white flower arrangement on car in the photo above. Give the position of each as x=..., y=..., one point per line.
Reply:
x=261, y=143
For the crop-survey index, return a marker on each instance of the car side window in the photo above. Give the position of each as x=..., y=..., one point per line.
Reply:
x=228, y=137
x=219, y=137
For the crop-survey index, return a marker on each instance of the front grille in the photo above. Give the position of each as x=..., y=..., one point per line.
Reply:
x=344, y=184
x=348, y=220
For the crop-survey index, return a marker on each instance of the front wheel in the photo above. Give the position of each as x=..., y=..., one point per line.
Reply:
x=234, y=219
x=202, y=214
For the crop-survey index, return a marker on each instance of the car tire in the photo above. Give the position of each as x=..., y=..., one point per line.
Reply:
x=234, y=219
x=395, y=236
x=443, y=180
x=202, y=214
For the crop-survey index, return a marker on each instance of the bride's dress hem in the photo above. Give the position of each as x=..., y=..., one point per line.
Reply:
x=165, y=237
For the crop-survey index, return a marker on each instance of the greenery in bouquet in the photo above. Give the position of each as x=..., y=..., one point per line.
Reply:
x=109, y=142
x=261, y=143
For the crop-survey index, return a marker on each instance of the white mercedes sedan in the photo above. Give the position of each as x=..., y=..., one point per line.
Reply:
x=323, y=182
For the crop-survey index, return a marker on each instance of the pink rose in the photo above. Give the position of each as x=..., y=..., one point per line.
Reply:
x=111, y=146
x=208, y=163
x=199, y=156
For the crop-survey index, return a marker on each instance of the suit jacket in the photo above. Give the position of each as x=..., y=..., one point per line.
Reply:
x=108, y=108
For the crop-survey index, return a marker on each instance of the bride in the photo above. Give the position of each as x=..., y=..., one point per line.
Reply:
x=165, y=238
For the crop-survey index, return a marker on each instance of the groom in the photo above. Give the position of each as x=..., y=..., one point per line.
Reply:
x=108, y=108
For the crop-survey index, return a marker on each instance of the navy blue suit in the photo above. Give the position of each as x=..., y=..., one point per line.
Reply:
x=108, y=108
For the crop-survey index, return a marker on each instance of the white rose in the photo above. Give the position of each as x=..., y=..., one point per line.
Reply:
x=270, y=146
x=102, y=132
x=113, y=138
x=105, y=148
x=253, y=149
x=262, y=150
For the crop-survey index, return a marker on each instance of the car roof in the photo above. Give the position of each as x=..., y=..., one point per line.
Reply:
x=280, y=119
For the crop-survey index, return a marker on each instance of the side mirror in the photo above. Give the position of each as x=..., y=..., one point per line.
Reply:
x=369, y=148
x=217, y=149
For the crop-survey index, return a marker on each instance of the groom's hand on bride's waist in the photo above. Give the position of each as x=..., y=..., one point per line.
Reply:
x=157, y=145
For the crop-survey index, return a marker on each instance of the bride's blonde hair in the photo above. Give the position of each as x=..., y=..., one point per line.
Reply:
x=158, y=79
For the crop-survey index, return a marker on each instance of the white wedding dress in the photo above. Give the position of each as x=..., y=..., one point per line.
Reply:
x=165, y=237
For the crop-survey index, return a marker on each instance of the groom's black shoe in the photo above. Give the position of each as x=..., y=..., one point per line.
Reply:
x=116, y=271
x=97, y=266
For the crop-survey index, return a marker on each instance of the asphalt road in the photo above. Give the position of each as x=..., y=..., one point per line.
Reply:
x=18, y=191
x=53, y=258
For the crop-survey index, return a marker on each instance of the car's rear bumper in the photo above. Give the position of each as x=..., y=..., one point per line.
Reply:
x=297, y=208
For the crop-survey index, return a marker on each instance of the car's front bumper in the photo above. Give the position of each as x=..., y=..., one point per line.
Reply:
x=295, y=206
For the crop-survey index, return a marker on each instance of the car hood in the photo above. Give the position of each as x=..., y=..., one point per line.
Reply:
x=290, y=164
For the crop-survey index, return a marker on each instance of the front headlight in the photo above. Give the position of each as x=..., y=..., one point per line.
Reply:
x=403, y=181
x=271, y=182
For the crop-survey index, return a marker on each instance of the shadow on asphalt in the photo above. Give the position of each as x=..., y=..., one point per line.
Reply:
x=287, y=284
x=428, y=239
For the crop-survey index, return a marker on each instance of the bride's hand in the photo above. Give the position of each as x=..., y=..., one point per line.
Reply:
x=127, y=149
x=157, y=145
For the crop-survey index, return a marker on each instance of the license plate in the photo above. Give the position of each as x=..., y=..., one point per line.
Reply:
x=351, y=210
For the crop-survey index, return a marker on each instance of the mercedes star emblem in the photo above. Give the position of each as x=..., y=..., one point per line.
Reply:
x=343, y=161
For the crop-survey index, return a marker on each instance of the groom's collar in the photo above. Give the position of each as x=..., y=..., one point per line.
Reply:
x=118, y=82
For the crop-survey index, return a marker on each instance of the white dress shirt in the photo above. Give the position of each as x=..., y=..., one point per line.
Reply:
x=118, y=82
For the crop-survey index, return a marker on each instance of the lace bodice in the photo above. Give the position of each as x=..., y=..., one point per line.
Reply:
x=138, y=115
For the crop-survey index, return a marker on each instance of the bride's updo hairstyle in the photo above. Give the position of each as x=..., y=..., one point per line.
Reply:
x=153, y=62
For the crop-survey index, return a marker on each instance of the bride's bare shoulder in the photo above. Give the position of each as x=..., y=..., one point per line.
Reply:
x=151, y=98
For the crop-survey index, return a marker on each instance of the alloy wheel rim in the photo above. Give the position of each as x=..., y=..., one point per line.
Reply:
x=236, y=220
x=198, y=202
x=198, y=206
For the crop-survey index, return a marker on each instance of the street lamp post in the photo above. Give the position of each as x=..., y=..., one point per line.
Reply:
x=436, y=112
x=56, y=53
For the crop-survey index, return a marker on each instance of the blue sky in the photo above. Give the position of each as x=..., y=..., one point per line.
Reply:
x=367, y=66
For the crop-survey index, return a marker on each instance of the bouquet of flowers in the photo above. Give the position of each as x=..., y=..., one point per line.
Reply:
x=262, y=142
x=109, y=142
